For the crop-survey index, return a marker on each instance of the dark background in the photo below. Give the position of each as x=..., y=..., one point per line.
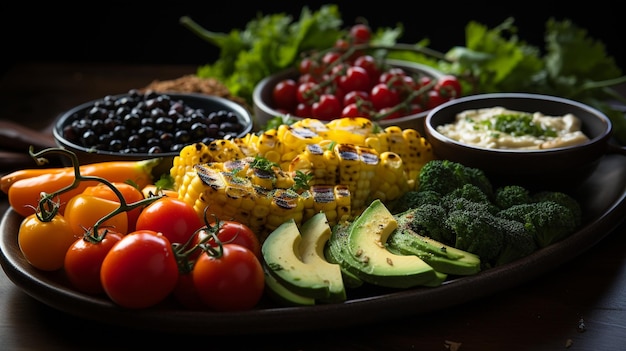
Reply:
x=136, y=32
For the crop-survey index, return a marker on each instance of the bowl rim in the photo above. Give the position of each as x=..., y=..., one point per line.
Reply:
x=431, y=130
x=60, y=122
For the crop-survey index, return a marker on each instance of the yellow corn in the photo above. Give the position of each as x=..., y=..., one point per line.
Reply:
x=189, y=156
x=350, y=160
x=408, y=144
x=395, y=182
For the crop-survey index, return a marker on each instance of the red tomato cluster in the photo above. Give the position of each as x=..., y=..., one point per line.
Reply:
x=149, y=253
x=358, y=85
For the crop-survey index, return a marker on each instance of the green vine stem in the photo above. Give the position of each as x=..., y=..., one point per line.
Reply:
x=48, y=208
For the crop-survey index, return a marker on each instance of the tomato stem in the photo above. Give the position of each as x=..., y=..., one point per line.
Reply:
x=48, y=208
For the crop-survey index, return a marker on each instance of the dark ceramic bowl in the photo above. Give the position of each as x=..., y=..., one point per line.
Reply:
x=262, y=97
x=194, y=101
x=562, y=167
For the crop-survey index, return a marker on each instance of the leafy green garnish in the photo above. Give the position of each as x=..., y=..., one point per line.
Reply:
x=517, y=124
x=268, y=44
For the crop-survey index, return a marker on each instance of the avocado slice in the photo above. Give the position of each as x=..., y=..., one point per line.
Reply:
x=279, y=293
x=297, y=260
x=443, y=258
x=315, y=234
x=335, y=252
x=374, y=263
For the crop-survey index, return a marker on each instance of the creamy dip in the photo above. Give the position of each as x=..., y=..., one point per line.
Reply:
x=500, y=128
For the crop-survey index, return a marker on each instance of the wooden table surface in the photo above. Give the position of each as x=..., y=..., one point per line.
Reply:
x=580, y=305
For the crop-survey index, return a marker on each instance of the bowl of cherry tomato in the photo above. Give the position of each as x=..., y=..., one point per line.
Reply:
x=390, y=92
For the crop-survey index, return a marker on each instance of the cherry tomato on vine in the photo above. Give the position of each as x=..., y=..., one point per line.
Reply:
x=356, y=96
x=129, y=193
x=231, y=232
x=284, y=94
x=175, y=218
x=305, y=93
x=83, y=211
x=356, y=78
x=355, y=110
x=83, y=261
x=303, y=110
x=434, y=99
x=382, y=96
x=449, y=87
x=368, y=63
x=44, y=244
x=140, y=270
x=330, y=57
x=327, y=108
x=360, y=33
x=233, y=281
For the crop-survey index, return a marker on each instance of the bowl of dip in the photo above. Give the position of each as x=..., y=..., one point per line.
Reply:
x=529, y=139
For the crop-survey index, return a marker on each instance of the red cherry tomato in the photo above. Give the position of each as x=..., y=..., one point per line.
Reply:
x=83, y=261
x=434, y=99
x=327, y=108
x=355, y=110
x=233, y=281
x=360, y=33
x=231, y=232
x=368, y=62
x=356, y=96
x=382, y=96
x=140, y=270
x=448, y=87
x=310, y=66
x=330, y=57
x=284, y=94
x=356, y=78
x=175, y=218
x=303, y=110
x=306, y=93
x=186, y=294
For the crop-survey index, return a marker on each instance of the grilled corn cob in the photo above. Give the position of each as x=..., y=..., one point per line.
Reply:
x=253, y=179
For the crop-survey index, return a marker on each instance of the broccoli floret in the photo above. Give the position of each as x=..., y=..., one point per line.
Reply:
x=563, y=199
x=427, y=220
x=443, y=176
x=453, y=203
x=547, y=221
x=517, y=242
x=468, y=192
x=476, y=232
x=413, y=199
x=509, y=195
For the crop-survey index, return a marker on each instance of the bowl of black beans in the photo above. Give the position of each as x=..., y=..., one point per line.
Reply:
x=142, y=125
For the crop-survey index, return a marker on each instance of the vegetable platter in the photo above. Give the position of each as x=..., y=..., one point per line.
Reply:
x=602, y=196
